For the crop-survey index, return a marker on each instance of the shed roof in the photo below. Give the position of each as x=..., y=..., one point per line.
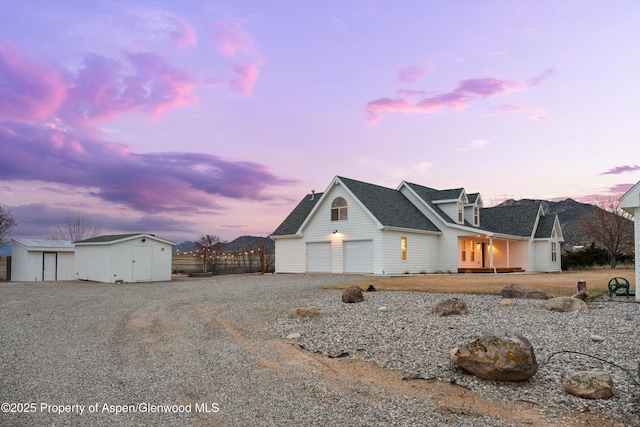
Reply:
x=45, y=244
x=115, y=238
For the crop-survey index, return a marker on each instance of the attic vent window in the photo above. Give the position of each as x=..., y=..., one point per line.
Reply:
x=339, y=209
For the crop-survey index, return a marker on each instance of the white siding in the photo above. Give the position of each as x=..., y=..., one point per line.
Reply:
x=358, y=226
x=93, y=263
x=542, y=253
x=422, y=253
x=636, y=225
x=27, y=264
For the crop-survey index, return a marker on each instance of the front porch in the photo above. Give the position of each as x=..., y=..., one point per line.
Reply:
x=482, y=254
x=491, y=270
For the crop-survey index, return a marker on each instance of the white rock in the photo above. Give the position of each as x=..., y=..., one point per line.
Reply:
x=382, y=308
x=597, y=338
x=293, y=336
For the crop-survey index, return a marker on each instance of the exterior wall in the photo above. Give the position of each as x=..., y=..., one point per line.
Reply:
x=110, y=262
x=422, y=253
x=519, y=254
x=93, y=263
x=357, y=226
x=291, y=256
x=473, y=255
x=26, y=265
x=451, y=209
x=542, y=253
x=636, y=226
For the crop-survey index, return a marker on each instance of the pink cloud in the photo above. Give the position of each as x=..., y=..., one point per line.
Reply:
x=183, y=34
x=147, y=182
x=245, y=77
x=457, y=99
x=29, y=90
x=411, y=74
x=621, y=169
x=104, y=90
x=535, y=113
x=231, y=38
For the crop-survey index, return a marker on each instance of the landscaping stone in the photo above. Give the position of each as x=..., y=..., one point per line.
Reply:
x=450, y=307
x=301, y=312
x=589, y=384
x=517, y=291
x=352, y=294
x=565, y=304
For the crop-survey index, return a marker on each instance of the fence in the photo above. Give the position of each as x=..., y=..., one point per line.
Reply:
x=248, y=260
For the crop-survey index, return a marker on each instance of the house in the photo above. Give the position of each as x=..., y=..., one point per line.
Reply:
x=630, y=202
x=34, y=260
x=357, y=227
x=124, y=257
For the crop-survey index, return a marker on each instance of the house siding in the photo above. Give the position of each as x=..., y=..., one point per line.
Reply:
x=291, y=255
x=28, y=263
x=422, y=253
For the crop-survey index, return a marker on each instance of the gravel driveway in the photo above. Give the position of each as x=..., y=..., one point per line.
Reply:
x=202, y=352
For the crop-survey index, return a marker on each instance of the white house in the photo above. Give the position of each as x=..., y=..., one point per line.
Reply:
x=630, y=202
x=357, y=227
x=124, y=257
x=34, y=260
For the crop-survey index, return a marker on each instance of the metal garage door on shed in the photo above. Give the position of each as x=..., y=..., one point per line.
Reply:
x=358, y=256
x=319, y=257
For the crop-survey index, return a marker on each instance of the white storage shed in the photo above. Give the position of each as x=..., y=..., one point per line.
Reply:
x=124, y=258
x=35, y=260
x=630, y=202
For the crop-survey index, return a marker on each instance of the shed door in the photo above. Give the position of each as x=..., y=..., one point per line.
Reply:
x=319, y=257
x=358, y=256
x=142, y=263
x=49, y=262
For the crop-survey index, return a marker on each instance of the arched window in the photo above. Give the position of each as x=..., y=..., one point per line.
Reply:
x=339, y=209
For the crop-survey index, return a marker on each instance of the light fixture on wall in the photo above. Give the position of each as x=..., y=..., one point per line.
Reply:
x=335, y=231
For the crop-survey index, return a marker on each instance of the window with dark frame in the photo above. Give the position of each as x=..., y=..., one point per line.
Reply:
x=339, y=211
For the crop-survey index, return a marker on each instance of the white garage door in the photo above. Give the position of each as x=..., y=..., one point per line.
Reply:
x=319, y=257
x=358, y=256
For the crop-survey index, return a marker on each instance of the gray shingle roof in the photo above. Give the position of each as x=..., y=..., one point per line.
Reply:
x=107, y=238
x=292, y=223
x=517, y=220
x=390, y=207
x=545, y=227
x=431, y=195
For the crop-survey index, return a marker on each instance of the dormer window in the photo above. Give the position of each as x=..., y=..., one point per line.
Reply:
x=339, y=209
x=460, y=212
x=476, y=215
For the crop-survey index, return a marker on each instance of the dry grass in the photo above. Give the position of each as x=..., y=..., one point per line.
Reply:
x=554, y=284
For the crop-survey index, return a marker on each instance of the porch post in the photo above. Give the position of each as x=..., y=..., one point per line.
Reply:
x=508, y=255
x=491, y=253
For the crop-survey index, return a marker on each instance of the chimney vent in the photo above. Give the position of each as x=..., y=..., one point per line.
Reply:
x=313, y=195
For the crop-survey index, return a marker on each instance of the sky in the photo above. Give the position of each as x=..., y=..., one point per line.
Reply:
x=217, y=117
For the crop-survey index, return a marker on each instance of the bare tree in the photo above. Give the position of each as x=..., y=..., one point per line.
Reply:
x=610, y=227
x=78, y=227
x=208, y=243
x=6, y=223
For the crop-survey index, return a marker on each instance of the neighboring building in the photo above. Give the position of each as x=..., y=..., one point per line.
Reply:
x=124, y=257
x=35, y=260
x=630, y=202
x=356, y=227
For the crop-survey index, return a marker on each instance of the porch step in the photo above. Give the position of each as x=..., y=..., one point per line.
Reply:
x=490, y=270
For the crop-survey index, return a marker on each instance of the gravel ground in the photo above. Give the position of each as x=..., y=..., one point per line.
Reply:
x=210, y=350
x=405, y=336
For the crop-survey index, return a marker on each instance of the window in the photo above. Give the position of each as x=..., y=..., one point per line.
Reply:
x=464, y=250
x=403, y=248
x=554, y=255
x=339, y=209
x=476, y=215
x=472, y=251
x=460, y=212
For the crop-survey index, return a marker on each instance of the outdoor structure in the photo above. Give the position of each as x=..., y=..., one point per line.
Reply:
x=35, y=260
x=630, y=202
x=124, y=258
x=357, y=227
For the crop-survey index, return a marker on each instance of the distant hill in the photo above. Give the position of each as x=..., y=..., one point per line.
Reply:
x=243, y=242
x=569, y=212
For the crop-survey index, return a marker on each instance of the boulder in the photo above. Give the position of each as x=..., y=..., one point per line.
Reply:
x=450, y=307
x=582, y=294
x=371, y=288
x=508, y=302
x=352, y=294
x=589, y=384
x=301, y=312
x=517, y=291
x=502, y=356
x=564, y=304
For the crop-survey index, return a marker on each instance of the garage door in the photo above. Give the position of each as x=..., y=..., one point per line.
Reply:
x=319, y=257
x=358, y=256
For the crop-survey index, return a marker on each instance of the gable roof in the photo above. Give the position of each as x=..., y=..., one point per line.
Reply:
x=431, y=196
x=518, y=220
x=390, y=207
x=631, y=199
x=116, y=238
x=545, y=226
x=294, y=221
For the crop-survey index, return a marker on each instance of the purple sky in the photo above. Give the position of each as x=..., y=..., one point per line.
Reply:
x=197, y=117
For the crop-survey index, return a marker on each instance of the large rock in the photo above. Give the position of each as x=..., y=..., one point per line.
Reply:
x=450, y=307
x=301, y=312
x=564, y=304
x=589, y=384
x=517, y=291
x=352, y=294
x=503, y=356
